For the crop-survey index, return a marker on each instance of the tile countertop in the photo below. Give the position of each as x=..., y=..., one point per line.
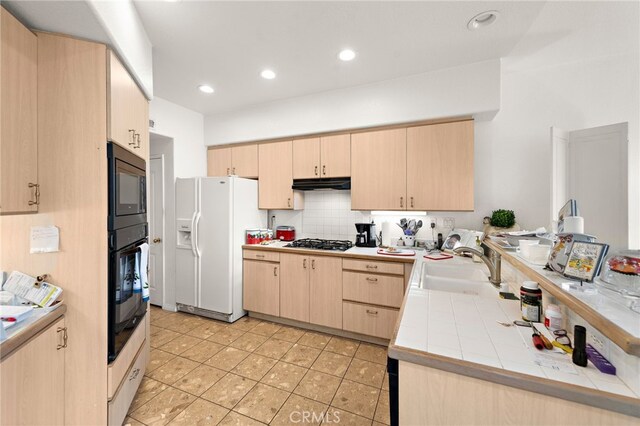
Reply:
x=459, y=333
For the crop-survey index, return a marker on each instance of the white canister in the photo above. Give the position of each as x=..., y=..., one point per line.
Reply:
x=409, y=240
x=574, y=225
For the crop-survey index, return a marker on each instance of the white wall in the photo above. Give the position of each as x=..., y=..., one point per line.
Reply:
x=128, y=37
x=185, y=127
x=584, y=76
x=472, y=89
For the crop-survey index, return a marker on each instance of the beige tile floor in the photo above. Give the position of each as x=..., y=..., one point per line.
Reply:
x=252, y=372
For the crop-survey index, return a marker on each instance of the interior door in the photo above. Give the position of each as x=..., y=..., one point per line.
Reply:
x=213, y=235
x=156, y=231
x=598, y=180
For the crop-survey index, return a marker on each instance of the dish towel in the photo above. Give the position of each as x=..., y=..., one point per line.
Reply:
x=144, y=272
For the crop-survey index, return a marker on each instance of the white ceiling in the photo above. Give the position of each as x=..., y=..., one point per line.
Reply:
x=227, y=44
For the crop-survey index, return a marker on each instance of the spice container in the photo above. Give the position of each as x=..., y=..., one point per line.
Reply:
x=531, y=301
x=553, y=318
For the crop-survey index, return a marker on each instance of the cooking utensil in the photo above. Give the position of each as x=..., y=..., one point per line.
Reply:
x=412, y=226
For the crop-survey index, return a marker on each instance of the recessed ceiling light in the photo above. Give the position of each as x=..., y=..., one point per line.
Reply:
x=483, y=19
x=205, y=88
x=347, y=55
x=268, y=74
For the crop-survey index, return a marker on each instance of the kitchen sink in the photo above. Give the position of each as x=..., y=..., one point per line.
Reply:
x=471, y=272
x=463, y=278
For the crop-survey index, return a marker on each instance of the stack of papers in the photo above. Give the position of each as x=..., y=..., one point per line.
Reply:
x=42, y=294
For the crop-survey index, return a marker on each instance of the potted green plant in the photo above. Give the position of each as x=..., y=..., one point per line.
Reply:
x=501, y=221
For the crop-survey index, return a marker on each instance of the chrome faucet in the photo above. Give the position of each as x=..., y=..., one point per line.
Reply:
x=493, y=262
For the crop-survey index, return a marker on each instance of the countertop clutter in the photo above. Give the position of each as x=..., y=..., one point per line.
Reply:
x=22, y=332
x=462, y=333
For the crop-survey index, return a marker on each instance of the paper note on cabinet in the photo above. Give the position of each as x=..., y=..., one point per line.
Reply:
x=44, y=239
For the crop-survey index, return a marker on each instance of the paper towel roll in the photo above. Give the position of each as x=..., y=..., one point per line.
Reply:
x=386, y=233
x=574, y=225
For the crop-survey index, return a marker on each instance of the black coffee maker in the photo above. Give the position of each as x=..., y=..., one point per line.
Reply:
x=366, y=236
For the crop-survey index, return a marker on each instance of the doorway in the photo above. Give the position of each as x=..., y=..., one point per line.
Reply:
x=162, y=239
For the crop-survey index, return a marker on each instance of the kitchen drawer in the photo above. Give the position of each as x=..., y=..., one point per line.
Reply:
x=372, y=288
x=369, y=320
x=269, y=256
x=118, y=368
x=119, y=405
x=373, y=266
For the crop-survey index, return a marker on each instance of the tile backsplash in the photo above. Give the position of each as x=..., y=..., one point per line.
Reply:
x=327, y=214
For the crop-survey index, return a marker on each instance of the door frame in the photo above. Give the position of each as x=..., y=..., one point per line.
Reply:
x=164, y=222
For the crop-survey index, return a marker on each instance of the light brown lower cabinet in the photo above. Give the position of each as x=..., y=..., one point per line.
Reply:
x=294, y=286
x=32, y=385
x=367, y=319
x=325, y=291
x=261, y=290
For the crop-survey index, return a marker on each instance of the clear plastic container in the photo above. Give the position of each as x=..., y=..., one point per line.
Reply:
x=621, y=273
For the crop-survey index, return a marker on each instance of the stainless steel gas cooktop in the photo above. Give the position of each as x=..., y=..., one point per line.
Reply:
x=311, y=243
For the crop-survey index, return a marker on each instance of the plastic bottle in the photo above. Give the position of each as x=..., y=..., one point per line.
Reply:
x=553, y=317
x=531, y=301
x=475, y=257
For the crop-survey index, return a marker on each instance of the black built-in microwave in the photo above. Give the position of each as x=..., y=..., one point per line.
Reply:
x=127, y=188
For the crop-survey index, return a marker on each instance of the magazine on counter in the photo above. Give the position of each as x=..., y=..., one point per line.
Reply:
x=461, y=238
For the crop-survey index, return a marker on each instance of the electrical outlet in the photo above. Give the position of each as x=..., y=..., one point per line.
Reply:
x=597, y=342
x=449, y=222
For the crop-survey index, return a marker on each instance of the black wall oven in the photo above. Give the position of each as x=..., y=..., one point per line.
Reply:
x=128, y=231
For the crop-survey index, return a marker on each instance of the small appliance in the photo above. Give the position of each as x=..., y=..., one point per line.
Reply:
x=285, y=233
x=127, y=177
x=366, y=236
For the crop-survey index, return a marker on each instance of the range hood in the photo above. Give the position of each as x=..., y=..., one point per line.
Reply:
x=330, y=183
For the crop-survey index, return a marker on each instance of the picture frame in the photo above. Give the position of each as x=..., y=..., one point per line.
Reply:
x=585, y=260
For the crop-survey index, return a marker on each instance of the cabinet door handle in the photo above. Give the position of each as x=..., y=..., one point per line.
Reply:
x=313, y=264
x=401, y=201
x=372, y=280
x=324, y=169
x=132, y=137
x=275, y=271
x=260, y=255
x=64, y=337
x=37, y=194
x=136, y=138
x=315, y=170
x=228, y=171
x=411, y=201
x=233, y=170
x=134, y=374
x=371, y=266
x=304, y=263
x=369, y=311
x=288, y=202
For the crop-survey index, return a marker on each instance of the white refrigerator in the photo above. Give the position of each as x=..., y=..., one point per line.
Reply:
x=213, y=214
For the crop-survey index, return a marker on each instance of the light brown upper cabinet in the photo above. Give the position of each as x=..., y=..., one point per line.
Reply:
x=127, y=122
x=335, y=156
x=218, y=161
x=440, y=167
x=322, y=157
x=276, y=176
x=378, y=170
x=236, y=160
x=19, y=190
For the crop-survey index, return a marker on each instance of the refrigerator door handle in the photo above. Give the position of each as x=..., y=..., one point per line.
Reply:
x=197, y=240
x=193, y=234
